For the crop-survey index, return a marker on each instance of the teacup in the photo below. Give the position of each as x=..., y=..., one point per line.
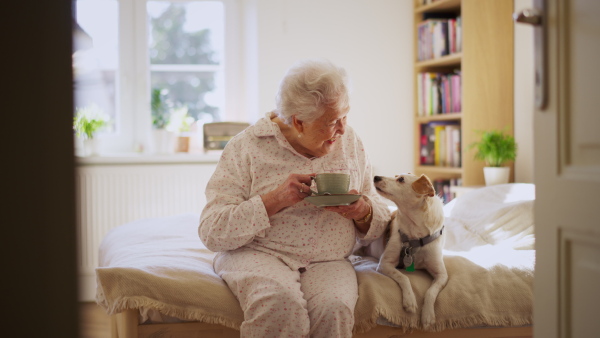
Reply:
x=332, y=183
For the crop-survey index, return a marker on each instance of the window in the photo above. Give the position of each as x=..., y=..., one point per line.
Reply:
x=186, y=53
x=129, y=53
x=96, y=59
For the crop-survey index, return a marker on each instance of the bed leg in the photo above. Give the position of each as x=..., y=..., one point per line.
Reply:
x=125, y=324
x=113, y=327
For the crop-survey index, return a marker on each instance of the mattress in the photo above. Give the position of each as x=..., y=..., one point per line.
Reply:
x=160, y=266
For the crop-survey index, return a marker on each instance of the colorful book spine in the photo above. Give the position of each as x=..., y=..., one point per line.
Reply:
x=440, y=144
x=438, y=93
x=438, y=35
x=427, y=144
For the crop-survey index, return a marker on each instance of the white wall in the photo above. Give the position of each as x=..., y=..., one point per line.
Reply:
x=371, y=39
x=524, y=97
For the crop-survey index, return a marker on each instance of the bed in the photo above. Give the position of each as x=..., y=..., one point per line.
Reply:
x=155, y=277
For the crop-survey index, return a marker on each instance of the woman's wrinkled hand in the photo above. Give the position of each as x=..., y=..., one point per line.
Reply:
x=355, y=211
x=293, y=190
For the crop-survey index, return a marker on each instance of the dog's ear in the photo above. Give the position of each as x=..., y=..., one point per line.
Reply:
x=423, y=186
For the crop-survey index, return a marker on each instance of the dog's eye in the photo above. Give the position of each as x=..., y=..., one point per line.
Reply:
x=401, y=179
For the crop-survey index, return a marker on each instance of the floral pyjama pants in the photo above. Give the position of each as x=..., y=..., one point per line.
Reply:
x=280, y=302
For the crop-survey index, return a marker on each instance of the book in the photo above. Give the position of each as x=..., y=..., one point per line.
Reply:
x=438, y=93
x=440, y=144
x=438, y=35
x=427, y=144
x=453, y=148
x=458, y=34
x=452, y=35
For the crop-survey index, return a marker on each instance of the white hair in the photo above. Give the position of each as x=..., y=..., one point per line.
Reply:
x=309, y=88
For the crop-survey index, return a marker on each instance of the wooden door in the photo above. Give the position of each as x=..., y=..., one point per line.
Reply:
x=567, y=175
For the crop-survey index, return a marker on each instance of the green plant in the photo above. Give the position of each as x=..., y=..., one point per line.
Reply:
x=180, y=120
x=88, y=120
x=160, y=108
x=495, y=148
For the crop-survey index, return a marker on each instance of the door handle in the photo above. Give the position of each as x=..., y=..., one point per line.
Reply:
x=535, y=18
x=528, y=16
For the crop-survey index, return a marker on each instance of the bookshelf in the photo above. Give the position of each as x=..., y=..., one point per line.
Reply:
x=483, y=59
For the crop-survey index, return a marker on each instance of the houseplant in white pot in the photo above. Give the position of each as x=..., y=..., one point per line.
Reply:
x=164, y=140
x=496, y=149
x=87, y=122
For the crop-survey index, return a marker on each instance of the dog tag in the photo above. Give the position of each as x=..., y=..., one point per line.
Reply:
x=408, y=259
x=411, y=267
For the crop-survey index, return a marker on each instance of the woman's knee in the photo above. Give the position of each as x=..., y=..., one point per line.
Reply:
x=278, y=310
x=332, y=305
x=277, y=296
x=333, y=317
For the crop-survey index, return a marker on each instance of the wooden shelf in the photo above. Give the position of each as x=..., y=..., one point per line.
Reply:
x=444, y=61
x=440, y=117
x=441, y=170
x=436, y=172
x=486, y=65
x=440, y=6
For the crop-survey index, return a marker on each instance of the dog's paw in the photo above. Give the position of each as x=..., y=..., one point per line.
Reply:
x=409, y=302
x=427, y=318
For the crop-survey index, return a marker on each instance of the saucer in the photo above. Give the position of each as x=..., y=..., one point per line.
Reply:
x=332, y=200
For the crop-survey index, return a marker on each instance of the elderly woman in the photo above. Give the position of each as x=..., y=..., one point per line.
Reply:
x=285, y=259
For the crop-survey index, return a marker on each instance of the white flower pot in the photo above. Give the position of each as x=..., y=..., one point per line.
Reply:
x=164, y=141
x=90, y=147
x=496, y=175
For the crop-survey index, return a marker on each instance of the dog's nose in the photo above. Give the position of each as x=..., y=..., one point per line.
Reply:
x=377, y=179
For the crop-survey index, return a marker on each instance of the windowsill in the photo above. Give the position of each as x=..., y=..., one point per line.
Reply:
x=211, y=157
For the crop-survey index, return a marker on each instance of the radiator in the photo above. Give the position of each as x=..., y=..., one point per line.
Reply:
x=111, y=195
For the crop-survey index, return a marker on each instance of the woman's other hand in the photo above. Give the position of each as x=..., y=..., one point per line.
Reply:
x=295, y=188
x=359, y=211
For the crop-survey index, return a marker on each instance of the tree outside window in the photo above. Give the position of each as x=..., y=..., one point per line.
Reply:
x=185, y=50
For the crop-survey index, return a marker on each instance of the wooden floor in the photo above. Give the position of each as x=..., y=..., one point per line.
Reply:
x=93, y=321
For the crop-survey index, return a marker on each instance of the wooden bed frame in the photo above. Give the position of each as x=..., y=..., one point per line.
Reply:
x=126, y=325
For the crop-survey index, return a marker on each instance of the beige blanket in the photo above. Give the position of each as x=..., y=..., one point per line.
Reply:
x=160, y=265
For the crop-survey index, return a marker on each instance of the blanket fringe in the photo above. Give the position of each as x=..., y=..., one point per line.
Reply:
x=408, y=324
x=185, y=314
x=404, y=323
x=499, y=320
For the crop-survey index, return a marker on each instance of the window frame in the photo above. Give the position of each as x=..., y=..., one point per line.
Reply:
x=133, y=114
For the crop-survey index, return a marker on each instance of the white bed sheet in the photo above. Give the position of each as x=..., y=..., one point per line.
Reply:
x=160, y=266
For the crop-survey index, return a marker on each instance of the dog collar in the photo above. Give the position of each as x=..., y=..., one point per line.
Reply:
x=415, y=243
x=406, y=254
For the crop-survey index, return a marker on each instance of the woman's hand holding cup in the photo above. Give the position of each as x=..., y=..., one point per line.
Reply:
x=293, y=190
x=355, y=211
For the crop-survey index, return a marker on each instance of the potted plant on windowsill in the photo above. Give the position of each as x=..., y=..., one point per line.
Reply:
x=181, y=123
x=163, y=139
x=86, y=123
x=496, y=148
